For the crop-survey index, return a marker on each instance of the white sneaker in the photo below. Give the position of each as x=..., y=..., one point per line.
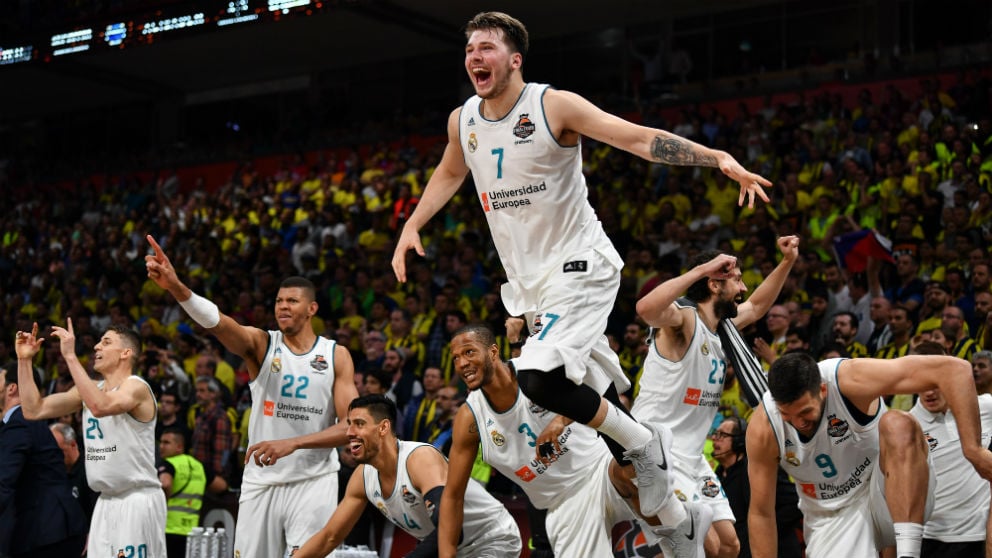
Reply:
x=654, y=482
x=686, y=540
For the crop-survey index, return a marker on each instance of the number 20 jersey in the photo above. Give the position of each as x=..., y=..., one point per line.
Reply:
x=292, y=396
x=834, y=467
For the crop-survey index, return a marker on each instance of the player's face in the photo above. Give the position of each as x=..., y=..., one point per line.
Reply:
x=489, y=62
x=804, y=413
x=933, y=401
x=473, y=362
x=294, y=310
x=364, y=435
x=107, y=352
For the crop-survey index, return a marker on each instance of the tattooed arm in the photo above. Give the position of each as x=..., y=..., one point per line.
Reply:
x=570, y=116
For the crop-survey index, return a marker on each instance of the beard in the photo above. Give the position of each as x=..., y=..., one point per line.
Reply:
x=725, y=309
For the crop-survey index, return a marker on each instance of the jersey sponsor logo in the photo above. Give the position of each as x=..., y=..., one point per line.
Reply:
x=788, y=443
x=473, y=142
x=809, y=489
x=408, y=497
x=578, y=265
x=709, y=488
x=692, y=396
x=511, y=197
x=471, y=121
x=319, y=363
x=524, y=127
x=836, y=427
x=269, y=408
x=536, y=410
x=498, y=438
x=932, y=442
x=297, y=412
x=829, y=491
x=791, y=459
x=525, y=474
x=490, y=422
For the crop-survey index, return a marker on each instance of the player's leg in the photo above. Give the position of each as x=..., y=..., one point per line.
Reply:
x=903, y=460
x=259, y=530
x=306, y=506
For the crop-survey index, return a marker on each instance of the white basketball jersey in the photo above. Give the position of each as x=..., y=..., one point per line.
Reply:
x=120, y=450
x=834, y=467
x=531, y=189
x=961, y=508
x=292, y=396
x=406, y=509
x=684, y=395
x=508, y=445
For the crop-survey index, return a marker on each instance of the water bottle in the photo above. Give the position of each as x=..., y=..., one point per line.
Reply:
x=222, y=550
x=213, y=543
x=208, y=533
x=193, y=543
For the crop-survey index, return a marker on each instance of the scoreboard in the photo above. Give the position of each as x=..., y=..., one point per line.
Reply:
x=149, y=28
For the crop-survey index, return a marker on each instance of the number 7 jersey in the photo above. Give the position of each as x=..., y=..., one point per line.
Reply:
x=835, y=466
x=292, y=396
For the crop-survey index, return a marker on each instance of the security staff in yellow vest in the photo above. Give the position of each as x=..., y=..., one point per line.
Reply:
x=184, y=482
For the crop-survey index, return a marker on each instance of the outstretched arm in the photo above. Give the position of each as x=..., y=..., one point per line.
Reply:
x=464, y=448
x=658, y=306
x=764, y=296
x=249, y=343
x=573, y=113
x=447, y=178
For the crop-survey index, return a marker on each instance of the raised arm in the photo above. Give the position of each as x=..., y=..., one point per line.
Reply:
x=268, y=452
x=444, y=182
x=767, y=292
x=762, y=470
x=345, y=516
x=658, y=309
x=464, y=448
x=249, y=343
x=33, y=405
x=570, y=112
x=131, y=397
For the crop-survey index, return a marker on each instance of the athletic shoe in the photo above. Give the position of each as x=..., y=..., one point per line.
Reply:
x=686, y=540
x=650, y=461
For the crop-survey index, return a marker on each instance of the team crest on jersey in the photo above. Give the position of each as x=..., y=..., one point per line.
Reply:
x=680, y=495
x=790, y=457
x=473, y=143
x=705, y=348
x=498, y=438
x=382, y=509
x=709, y=488
x=237, y=554
x=836, y=427
x=931, y=441
x=408, y=497
x=525, y=127
x=276, y=365
x=319, y=363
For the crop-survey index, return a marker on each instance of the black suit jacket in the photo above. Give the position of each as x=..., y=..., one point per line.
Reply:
x=34, y=487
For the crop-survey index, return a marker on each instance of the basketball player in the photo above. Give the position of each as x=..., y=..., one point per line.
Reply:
x=300, y=383
x=521, y=143
x=118, y=436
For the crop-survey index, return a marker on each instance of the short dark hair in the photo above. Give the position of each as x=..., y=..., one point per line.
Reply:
x=514, y=32
x=482, y=331
x=10, y=373
x=300, y=283
x=178, y=432
x=700, y=290
x=854, y=318
x=379, y=406
x=384, y=378
x=792, y=375
x=131, y=340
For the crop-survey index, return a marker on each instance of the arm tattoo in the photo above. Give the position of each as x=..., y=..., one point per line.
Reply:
x=677, y=151
x=473, y=429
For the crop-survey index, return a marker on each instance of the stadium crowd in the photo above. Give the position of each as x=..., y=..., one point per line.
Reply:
x=917, y=170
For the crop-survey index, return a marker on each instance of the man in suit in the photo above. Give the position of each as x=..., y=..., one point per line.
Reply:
x=47, y=520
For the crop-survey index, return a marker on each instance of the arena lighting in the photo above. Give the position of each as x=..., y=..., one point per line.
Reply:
x=285, y=5
x=15, y=55
x=237, y=11
x=71, y=42
x=115, y=33
x=172, y=23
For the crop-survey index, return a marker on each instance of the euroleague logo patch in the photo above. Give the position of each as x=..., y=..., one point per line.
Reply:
x=525, y=127
x=836, y=427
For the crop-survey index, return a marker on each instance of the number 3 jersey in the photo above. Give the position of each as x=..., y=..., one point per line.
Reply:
x=509, y=446
x=835, y=466
x=292, y=396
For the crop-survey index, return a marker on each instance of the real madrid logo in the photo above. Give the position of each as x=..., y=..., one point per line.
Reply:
x=705, y=349
x=473, y=143
x=791, y=458
x=498, y=438
x=680, y=495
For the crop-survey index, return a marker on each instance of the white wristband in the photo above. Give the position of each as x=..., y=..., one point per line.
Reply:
x=202, y=311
